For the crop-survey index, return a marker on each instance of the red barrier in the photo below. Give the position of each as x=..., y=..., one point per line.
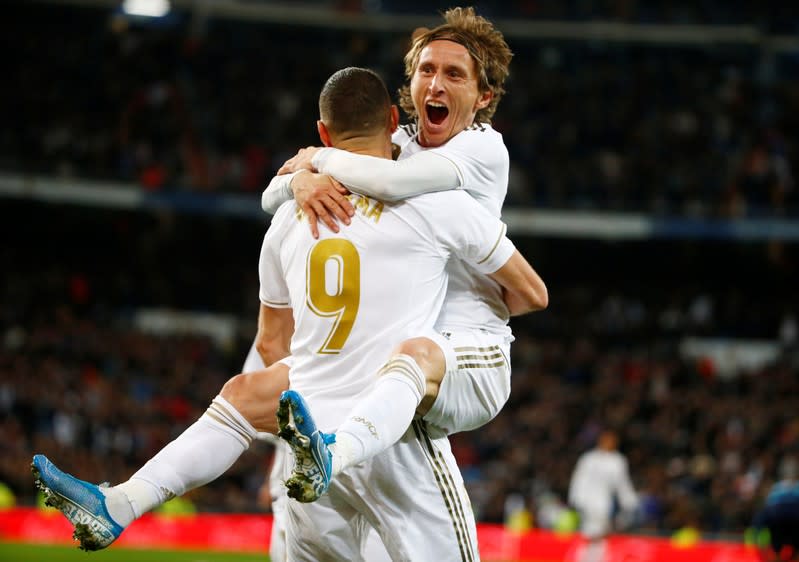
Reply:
x=207, y=531
x=496, y=543
x=250, y=533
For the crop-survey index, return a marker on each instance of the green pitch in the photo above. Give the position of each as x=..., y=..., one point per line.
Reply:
x=16, y=552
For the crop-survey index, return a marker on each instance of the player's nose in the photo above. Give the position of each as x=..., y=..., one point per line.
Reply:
x=436, y=83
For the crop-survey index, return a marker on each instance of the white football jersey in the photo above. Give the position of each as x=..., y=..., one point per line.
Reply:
x=473, y=300
x=357, y=293
x=600, y=478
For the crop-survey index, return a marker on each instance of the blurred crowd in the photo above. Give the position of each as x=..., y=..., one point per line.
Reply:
x=703, y=129
x=703, y=450
x=217, y=105
x=82, y=384
x=776, y=17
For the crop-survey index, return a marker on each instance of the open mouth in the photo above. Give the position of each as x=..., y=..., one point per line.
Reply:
x=436, y=112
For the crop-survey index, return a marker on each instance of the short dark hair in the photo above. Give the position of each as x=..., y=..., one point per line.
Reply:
x=354, y=100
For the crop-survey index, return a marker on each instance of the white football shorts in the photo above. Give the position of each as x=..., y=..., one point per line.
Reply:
x=412, y=494
x=477, y=382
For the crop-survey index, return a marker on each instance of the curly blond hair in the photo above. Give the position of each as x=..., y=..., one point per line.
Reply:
x=486, y=45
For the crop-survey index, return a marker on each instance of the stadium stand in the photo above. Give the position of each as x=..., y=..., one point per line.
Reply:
x=699, y=129
x=689, y=345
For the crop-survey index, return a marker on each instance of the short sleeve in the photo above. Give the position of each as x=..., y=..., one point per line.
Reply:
x=483, y=164
x=472, y=233
x=273, y=290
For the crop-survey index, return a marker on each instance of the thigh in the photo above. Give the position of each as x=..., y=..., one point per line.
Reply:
x=413, y=495
x=373, y=549
x=278, y=473
x=277, y=539
x=326, y=530
x=256, y=395
x=594, y=524
x=477, y=383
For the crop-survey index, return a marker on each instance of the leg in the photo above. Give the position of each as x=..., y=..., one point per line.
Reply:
x=467, y=382
x=373, y=549
x=593, y=551
x=431, y=517
x=278, y=473
x=457, y=383
x=255, y=395
x=432, y=361
x=407, y=384
x=476, y=384
x=595, y=527
x=213, y=443
x=323, y=531
x=277, y=539
x=374, y=424
x=199, y=455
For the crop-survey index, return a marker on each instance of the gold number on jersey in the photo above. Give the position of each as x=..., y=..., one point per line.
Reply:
x=333, y=282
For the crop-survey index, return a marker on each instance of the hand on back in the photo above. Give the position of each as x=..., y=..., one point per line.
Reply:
x=322, y=199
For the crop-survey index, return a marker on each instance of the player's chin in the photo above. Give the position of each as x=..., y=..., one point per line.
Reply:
x=436, y=134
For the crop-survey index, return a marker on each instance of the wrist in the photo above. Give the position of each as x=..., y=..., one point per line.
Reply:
x=294, y=187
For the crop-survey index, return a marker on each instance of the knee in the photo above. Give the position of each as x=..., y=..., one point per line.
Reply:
x=255, y=396
x=431, y=361
x=235, y=390
x=424, y=351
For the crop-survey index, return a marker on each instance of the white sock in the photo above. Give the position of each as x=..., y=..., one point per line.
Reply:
x=197, y=456
x=594, y=551
x=118, y=505
x=382, y=417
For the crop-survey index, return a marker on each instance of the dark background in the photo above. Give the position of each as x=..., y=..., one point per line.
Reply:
x=192, y=111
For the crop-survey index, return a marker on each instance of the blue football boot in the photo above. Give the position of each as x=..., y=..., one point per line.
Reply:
x=313, y=464
x=84, y=504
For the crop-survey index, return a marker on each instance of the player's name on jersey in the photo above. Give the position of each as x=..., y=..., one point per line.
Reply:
x=369, y=208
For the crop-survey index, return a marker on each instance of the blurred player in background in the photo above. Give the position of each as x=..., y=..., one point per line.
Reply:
x=599, y=483
x=780, y=515
x=456, y=75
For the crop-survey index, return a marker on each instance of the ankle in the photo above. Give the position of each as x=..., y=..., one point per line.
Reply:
x=343, y=451
x=141, y=496
x=119, y=506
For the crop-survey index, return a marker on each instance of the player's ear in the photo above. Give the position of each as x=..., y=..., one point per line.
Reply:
x=324, y=134
x=484, y=99
x=394, y=118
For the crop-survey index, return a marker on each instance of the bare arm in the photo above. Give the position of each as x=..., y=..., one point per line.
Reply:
x=523, y=289
x=275, y=328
